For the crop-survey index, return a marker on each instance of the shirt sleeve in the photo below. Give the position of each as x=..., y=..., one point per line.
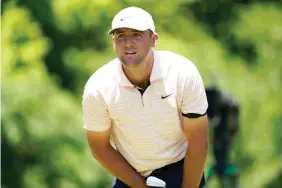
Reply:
x=194, y=100
x=95, y=112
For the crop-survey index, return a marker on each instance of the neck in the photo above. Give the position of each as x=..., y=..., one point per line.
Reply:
x=140, y=75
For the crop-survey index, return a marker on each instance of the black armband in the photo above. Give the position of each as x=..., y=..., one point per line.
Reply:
x=193, y=115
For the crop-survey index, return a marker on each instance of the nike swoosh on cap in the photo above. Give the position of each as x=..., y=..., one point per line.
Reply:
x=124, y=18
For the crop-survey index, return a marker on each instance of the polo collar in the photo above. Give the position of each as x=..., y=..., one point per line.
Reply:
x=155, y=74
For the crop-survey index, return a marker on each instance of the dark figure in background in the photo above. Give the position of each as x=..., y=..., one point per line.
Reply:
x=223, y=114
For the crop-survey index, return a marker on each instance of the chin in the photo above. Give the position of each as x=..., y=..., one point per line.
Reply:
x=131, y=63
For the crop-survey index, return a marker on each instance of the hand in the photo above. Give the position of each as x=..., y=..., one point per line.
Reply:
x=143, y=186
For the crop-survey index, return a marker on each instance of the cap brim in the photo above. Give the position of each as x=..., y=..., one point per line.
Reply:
x=138, y=29
x=112, y=31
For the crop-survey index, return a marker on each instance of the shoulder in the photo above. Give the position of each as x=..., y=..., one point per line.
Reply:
x=103, y=78
x=176, y=64
x=173, y=58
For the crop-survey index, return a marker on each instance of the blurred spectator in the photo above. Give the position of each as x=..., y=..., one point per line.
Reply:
x=223, y=114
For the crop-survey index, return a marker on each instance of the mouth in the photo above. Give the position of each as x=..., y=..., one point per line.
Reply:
x=130, y=53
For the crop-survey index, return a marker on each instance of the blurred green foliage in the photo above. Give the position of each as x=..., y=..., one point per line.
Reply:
x=51, y=47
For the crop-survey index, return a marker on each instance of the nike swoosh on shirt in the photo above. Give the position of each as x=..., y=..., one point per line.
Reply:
x=163, y=97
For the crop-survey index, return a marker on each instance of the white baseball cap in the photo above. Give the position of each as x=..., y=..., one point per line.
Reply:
x=133, y=18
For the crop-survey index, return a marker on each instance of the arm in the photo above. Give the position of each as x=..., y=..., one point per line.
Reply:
x=195, y=126
x=97, y=122
x=196, y=132
x=112, y=160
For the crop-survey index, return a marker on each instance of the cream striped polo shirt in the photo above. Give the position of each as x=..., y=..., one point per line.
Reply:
x=146, y=129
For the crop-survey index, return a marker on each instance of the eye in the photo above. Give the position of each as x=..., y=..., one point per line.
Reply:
x=120, y=36
x=137, y=34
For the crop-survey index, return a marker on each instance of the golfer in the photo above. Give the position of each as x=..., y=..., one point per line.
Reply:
x=152, y=104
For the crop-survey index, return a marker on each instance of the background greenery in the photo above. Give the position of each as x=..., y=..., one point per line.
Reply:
x=51, y=47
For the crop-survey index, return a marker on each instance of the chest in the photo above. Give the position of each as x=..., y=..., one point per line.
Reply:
x=156, y=110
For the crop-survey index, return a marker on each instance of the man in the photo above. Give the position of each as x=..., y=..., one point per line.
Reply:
x=223, y=113
x=153, y=105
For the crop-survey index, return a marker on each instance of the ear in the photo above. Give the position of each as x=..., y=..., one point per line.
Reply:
x=113, y=40
x=155, y=38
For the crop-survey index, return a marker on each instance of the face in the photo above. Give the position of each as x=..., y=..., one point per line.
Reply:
x=132, y=47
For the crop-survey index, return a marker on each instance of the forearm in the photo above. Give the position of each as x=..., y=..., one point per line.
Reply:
x=114, y=162
x=194, y=165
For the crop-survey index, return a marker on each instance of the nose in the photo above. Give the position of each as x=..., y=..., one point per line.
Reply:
x=128, y=41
